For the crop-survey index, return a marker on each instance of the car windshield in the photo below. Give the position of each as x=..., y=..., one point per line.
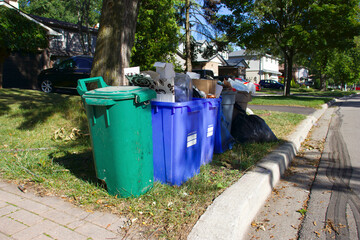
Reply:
x=83, y=63
x=67, y=64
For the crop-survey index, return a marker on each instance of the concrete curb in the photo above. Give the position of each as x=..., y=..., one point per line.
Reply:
x=230, y=215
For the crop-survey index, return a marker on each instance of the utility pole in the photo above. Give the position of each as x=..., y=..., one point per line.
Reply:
x=187, y=43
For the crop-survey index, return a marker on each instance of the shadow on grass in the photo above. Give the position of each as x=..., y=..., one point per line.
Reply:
x=36, y=107
x=80, y=165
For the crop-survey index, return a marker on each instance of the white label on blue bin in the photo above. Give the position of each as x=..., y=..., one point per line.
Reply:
x=191, y=139
x=210, y=130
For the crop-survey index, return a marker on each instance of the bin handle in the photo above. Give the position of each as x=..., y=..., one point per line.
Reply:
x=99, y=102
x=144, y=96
x=194, y=108
x=81, y=87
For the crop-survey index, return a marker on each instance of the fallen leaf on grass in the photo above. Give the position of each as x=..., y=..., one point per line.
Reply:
x=22, y=188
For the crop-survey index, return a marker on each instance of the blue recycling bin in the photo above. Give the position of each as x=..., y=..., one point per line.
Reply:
x=207, y=130
x=176, y=140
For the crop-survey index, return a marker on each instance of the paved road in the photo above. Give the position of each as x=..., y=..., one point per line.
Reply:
x=328, y=195
x=298, y=110
x=334, y=205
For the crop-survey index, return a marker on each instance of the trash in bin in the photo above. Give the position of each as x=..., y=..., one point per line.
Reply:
x=241, y=99
x=119, y=120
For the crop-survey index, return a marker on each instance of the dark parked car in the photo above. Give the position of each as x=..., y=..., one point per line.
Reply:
x=65, y=74
x=205, y=74
x=269, y=83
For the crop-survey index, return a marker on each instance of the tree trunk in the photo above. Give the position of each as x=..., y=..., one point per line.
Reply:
x=324, y=61
x=285, y=72
x=115, y=40
x=3, y=55
x=289, y=59
x=188, y=35
x=1, y=73
x=322, y=81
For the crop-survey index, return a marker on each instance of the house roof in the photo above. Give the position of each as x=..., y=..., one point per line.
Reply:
x=237, y=63
x=242, y=53
x=61, y=24
x=50, y=30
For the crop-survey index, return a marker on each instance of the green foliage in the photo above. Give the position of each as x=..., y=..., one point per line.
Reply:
x=294, y=84
x=68, y=11
x=292, y=27
x=156, y=33
x=18, y=33
x=344, y=67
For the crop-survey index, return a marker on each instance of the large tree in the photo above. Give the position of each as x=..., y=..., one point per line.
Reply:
x=291, y=27
x=343, y=67
x=115, y=40
x=157, y=33
x=18, y=33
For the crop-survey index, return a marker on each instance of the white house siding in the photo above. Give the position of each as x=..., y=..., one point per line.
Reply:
x=301, y=74
x=69, y=42
x=260, y=67
x=213, y=65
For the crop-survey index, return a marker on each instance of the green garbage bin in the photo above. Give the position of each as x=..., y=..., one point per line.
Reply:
x=119, y=120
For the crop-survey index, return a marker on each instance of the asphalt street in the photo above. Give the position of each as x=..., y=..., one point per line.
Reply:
x=318, y=197
x=334, y=202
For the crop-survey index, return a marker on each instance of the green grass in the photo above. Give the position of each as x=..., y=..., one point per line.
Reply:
x=34, y=153
x=317, y=93
x=299, y=101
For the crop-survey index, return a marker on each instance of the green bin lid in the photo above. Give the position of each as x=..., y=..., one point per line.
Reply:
x=114, y=92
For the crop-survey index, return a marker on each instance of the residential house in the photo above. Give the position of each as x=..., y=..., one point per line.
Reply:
x=65, y=40
x=72, y=39
x=200, y=61
x=218, y=61
x=234, y=68
x=261, y=66
x=299, y=73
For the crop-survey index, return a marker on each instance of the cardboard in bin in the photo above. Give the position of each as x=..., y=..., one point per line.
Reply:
x=206, y=85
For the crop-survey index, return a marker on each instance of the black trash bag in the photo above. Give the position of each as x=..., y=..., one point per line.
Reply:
x=250, y=128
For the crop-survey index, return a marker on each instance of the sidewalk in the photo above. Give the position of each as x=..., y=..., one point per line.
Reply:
x=231, y=214
x=26, y=216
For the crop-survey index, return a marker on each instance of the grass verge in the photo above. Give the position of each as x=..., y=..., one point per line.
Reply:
x=45, y=146
x=298, y=101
